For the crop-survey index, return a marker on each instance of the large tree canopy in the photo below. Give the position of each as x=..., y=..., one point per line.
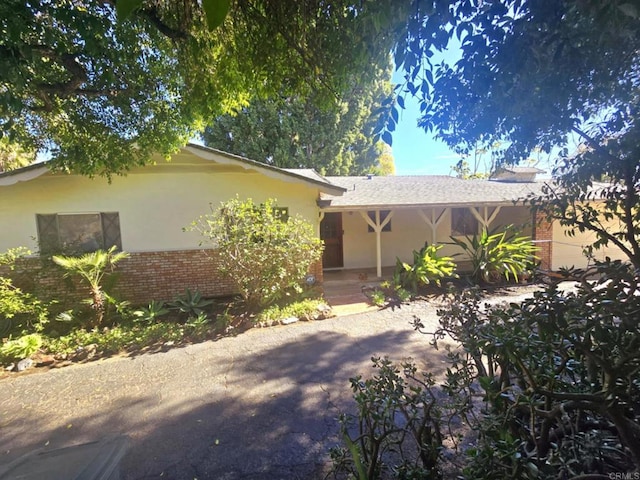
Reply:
x=293, y=132
x=101, y=94
x=532, y=74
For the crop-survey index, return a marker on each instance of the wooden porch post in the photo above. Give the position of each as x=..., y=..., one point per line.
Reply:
x=377, y=228
x=433, y=222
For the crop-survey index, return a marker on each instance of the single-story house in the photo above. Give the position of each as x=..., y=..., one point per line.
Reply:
x=365, y=222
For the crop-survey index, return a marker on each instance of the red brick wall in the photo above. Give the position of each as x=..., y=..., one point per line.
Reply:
x=316, y=270
x=543, y=236
x=142, y=277
x=164, y=275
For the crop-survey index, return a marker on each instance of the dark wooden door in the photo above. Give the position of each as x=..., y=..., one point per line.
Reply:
x=331, y=233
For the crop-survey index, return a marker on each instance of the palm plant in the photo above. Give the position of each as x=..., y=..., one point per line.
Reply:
x=91, y=268
x=499, y=253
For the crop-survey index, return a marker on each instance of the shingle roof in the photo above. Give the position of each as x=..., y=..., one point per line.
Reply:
x=309, y=173
x=424, y=190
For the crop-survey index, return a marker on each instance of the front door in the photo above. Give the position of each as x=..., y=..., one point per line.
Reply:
x=331, y=233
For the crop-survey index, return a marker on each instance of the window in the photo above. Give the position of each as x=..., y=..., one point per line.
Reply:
x=463, y=222
x=383, y=215
x=282, y=213
x=78, y=232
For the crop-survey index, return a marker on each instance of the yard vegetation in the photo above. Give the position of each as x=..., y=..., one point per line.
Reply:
x=267, y=255
x=548, y=388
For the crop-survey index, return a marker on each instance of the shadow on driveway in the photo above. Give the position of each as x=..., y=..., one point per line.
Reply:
x=259, y=406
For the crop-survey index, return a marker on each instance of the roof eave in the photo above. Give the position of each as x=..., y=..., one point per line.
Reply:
x=270, y=170
x=389, y=206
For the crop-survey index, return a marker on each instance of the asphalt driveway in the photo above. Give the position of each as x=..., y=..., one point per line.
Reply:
x=262, y=405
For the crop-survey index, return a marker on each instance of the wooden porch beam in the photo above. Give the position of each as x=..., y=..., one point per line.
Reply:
x=377, y=228
x=433, y=222
x=485, y=219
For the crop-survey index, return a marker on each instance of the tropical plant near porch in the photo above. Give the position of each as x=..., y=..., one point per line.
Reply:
x=264, y=251
x=91, y=268
x=428, y=267
x=498, y=254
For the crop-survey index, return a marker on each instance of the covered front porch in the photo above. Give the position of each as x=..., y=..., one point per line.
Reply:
x=364, y=243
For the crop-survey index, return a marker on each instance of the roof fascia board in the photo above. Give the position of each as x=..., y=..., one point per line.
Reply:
x=342, y=208
x=23, y=175
x=268, y=170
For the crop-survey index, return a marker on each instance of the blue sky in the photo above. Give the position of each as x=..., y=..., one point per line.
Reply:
x=415, y=152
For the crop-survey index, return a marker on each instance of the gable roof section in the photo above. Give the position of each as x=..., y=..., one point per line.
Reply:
x=299, y=175
x=426, y=190
x=304, y=176
x=23, y=174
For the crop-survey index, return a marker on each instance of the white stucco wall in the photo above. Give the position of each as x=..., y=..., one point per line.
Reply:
x=408, y=233
x=154, y=203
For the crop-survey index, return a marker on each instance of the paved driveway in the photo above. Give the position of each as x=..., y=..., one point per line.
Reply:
x=262, y=405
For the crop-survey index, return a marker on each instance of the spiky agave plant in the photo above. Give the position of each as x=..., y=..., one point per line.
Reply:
x=91, y=268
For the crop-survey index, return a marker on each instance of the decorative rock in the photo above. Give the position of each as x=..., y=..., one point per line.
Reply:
x=45, y=360
x=289, y=320
x=85, y=353
x=10, y=367
x=24, y=364
x=323, y=311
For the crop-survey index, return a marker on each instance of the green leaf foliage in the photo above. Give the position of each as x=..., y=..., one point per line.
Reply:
x=101, y=86
x=215, y=11
x=294, y=132
x=428, y=267
x=92, y=268
x=21, y=347
x=261, y=249
x=498, y=254
x=19, y=310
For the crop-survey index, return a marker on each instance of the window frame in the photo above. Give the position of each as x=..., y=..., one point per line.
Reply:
x=469, y=229
x=51, y=242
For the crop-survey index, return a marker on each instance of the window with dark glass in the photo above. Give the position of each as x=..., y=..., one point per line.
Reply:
x=78, y=232
x=383, y=216
x=463, y=222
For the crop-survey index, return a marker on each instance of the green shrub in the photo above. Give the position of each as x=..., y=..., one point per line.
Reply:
x=19, y=310
x=558, y=374
x=261, y=249
x=498, y=254
x=397, y=430
x=303, y=309
x=378, y=298
x=20, y=348
x=428, y=267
